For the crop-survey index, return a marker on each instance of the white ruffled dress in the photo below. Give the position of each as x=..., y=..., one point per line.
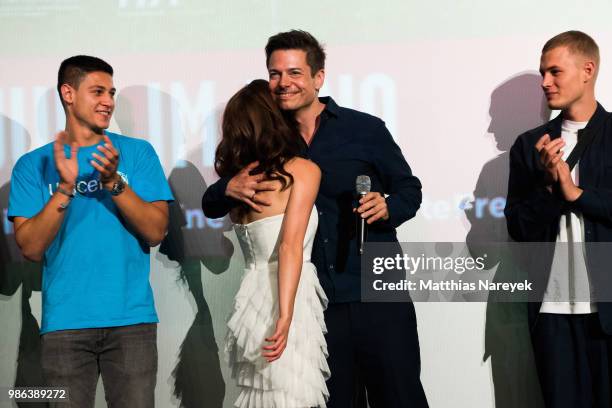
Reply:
x=297, y=378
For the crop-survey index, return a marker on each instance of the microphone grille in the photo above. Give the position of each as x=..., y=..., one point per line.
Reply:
x=363, y=184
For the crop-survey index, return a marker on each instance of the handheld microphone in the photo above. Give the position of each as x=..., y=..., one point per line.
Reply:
x=362, y=186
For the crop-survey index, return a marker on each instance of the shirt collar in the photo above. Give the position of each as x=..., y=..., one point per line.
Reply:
x=600, y=114
x=598, y=117
x=331, y=107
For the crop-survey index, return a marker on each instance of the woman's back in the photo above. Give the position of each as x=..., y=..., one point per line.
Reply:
x=277, y=197
x=277, y=243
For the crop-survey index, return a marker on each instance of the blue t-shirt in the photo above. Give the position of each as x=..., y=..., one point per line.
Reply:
x=96, y=270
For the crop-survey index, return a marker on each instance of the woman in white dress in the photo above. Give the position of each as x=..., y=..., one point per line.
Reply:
x=275, y=342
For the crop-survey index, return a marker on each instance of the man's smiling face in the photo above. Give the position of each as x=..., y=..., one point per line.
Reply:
x=93, y=101
x=291, y=81
x=564, y=77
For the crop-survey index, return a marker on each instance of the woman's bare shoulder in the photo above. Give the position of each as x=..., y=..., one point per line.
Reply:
x=299, y=167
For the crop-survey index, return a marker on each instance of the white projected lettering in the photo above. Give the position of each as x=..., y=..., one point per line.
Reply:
x=195, y=219
x=49, y=115
x=38, y=104
x=447, y=208
x=494, y=207
x=380, y=86
x=377, y=94
x=154, y=109
x=18, y=135
x=3, y=135
x=199, y=119
x=182, y=122
x=60, y=117
x=42, y=116
x=177, y=110
x=344, y=92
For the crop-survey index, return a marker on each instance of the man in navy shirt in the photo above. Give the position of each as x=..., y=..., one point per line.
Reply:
x=378, y=341
x=560, y=196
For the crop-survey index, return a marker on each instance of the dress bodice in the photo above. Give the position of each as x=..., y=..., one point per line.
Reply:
x=259, y=239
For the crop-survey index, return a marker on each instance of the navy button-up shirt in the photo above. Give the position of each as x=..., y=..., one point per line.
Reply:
x=347, y=144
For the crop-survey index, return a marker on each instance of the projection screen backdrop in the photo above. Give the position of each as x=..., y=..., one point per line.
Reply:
x=455, y=82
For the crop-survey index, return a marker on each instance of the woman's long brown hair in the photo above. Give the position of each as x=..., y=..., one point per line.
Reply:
x=254, y=129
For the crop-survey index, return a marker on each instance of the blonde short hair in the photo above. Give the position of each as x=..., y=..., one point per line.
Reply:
x=576, y=42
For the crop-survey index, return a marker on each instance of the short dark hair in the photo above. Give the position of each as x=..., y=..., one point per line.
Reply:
x=298, y=40
x=72, y=70
x=577, y=42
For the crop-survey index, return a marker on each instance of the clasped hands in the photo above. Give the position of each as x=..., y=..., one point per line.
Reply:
x=106, y=162
x=246, y=188
x=556, y=169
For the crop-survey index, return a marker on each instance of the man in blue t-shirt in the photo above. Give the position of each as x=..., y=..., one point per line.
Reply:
x=89, y=206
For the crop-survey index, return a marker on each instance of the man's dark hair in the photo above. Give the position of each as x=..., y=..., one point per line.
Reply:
x=298, y=40
x=72, y=70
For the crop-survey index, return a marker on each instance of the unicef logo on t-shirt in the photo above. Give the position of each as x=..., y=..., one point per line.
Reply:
x=89, y=185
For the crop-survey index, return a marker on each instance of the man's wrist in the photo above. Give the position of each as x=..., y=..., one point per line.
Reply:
x=573, y=194
x=65, y=190
x=69, y=187
x=117, y=187
x=109, y=183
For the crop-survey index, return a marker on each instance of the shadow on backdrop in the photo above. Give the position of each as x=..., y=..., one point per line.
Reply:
x=192, y=241
x=15, y=271
x=517, y=105
x=198, y=378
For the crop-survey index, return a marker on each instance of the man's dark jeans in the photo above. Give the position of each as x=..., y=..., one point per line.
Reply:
x=125, y=356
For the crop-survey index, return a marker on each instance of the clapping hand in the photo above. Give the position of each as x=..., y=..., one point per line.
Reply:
x=557, y=170
x=550, y=156
x=68, y=168
x=106, y=162
x=568, y=188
